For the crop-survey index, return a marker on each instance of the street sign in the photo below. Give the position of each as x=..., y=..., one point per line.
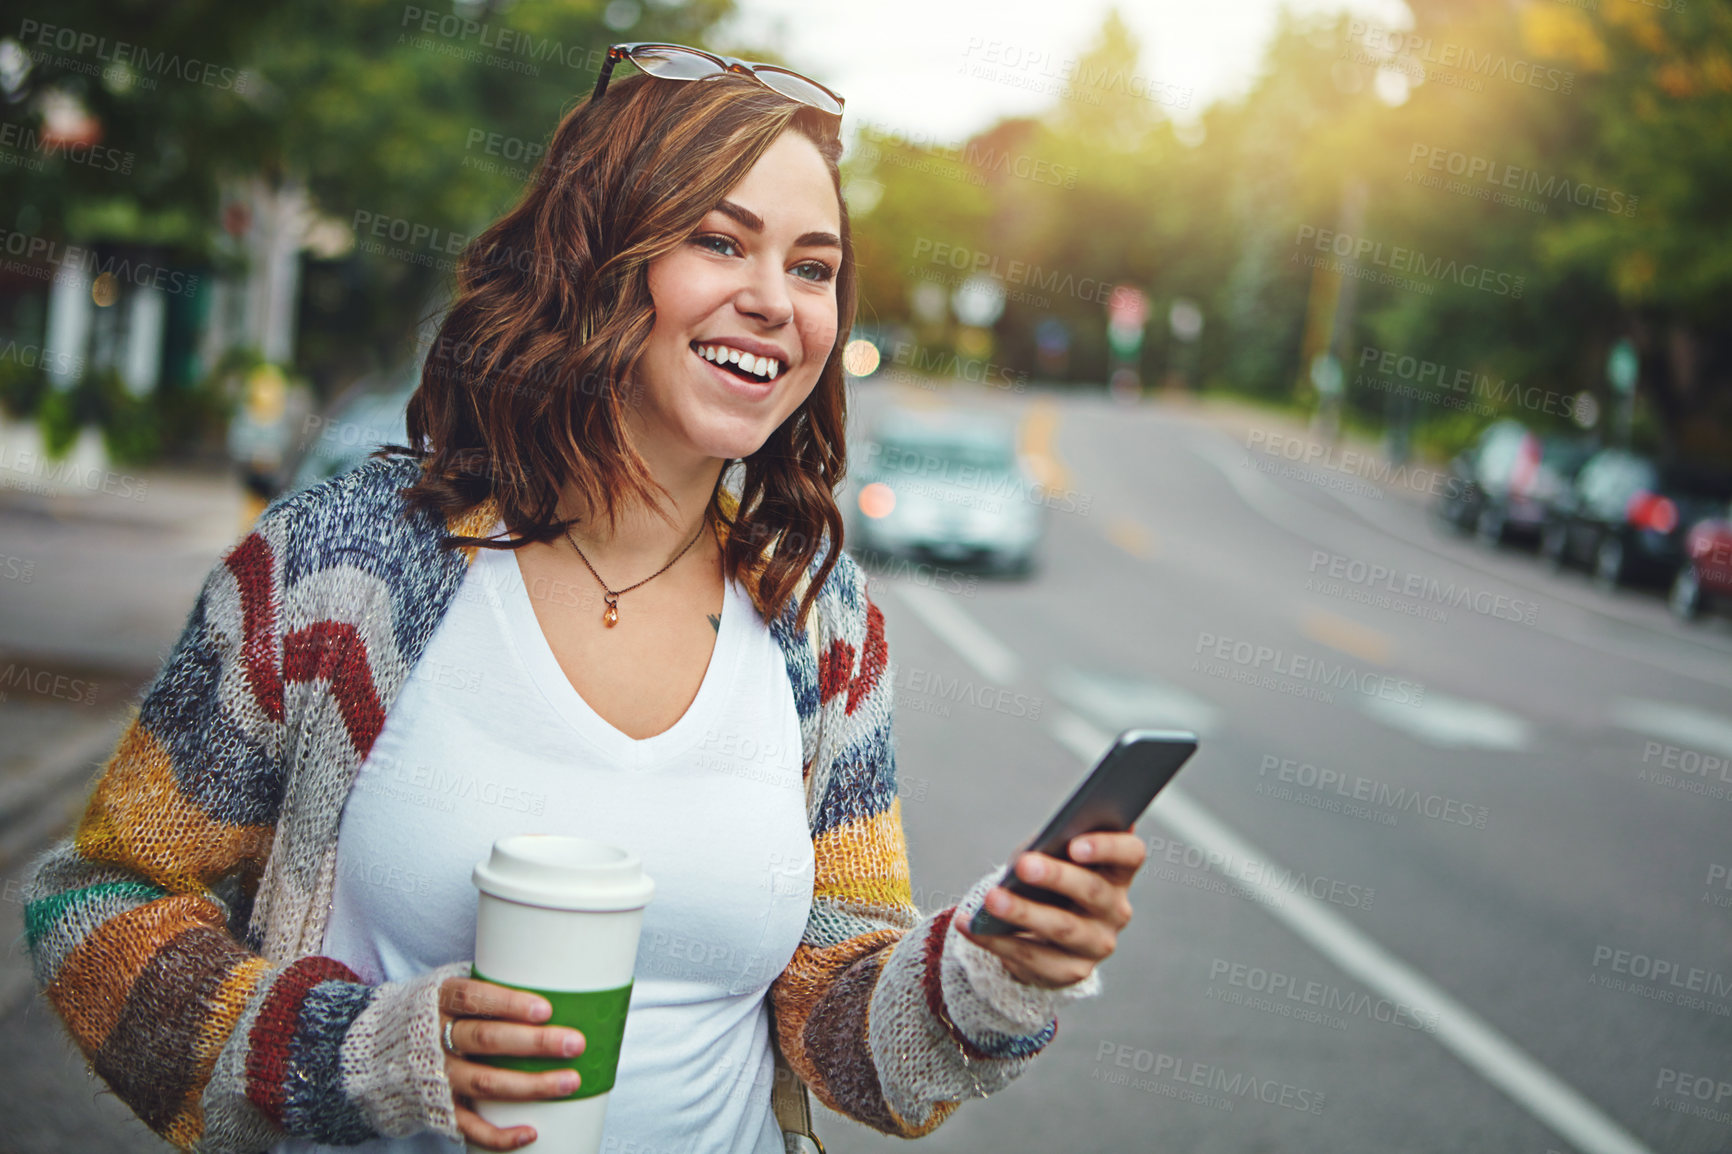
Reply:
x=1051, y=338
x=1124, y=339
x=1127, y=312
x=1326, y=374
x=1622, y=366
x=1128, y=307
x=1185, y=319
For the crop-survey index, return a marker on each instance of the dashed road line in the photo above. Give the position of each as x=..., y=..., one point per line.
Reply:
x=1470, y=1038
x=1131, y=536
x=1126, y=702
x=1346, y=636
x=1453, y=722
x=1694, y=728
x=1035, y=443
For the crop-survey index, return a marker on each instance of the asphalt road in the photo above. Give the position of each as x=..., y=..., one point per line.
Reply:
x=1478, y=913
x=1472, y=903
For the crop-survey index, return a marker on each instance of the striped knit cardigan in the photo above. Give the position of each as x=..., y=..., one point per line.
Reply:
x=177, y=931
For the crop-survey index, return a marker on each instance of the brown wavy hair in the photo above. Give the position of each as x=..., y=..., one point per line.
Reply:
x=526, y=383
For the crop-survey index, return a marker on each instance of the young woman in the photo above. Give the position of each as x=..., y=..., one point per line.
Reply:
x=602, y=594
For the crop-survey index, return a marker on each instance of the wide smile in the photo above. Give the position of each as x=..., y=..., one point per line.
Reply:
x=753, y=374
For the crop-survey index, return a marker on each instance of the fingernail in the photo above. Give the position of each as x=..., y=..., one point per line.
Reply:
x=571, y=1081
x=573, y=1045
x=1035, y=869
x=1082, y=849
x=541, y=1010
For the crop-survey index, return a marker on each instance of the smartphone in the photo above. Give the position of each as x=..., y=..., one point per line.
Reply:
x=1114, y=794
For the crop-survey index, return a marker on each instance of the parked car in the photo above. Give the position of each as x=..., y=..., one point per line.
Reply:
x=371, y=412
x=1627, y=516
x=950, y=488
x=1500, y=486
x=1704, y=581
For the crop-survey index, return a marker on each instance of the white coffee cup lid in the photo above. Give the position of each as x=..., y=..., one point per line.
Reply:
x=564, y=873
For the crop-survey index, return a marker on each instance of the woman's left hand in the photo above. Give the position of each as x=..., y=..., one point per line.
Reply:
x=1058, y=947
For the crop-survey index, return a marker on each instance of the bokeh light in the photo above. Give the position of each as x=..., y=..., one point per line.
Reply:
x=877, y=500
x=860, y=357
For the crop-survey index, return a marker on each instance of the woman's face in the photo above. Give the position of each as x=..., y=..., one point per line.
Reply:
x=756, y=282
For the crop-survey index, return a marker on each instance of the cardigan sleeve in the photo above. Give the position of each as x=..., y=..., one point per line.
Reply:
x=136, y=923
x=893, y=1018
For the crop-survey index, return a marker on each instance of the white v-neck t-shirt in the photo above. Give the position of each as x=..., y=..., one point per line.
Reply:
x=489, y=738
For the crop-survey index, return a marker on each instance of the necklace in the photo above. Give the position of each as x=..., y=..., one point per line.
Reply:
x=610, y=616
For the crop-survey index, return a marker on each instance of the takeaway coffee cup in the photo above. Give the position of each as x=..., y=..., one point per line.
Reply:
x=560, y=916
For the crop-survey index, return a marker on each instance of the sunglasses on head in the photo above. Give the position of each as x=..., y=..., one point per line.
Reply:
x=678, y=62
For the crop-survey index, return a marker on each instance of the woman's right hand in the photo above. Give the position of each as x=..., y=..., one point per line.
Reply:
x=490, y=1019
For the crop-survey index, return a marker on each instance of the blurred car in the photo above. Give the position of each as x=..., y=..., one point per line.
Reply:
x=371, y=412
x=1627, y=516
x=261, y=431
x=1704, y=581
x=1500, y=486
x=948, y=488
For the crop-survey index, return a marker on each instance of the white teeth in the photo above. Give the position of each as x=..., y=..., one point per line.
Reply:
x=756, y=365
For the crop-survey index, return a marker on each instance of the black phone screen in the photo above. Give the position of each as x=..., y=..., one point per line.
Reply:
x=1115, y=793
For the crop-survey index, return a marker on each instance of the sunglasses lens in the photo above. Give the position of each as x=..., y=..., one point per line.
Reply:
x=674, y=63
x=796, y=87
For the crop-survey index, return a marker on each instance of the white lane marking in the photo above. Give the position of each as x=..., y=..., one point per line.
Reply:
x=1695, y=728
x=1120, y=702
x=1453, y=722
x=1459, y=1030
x=975, y=645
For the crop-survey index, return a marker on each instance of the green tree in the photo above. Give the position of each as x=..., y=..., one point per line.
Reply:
x=1660, y=105
x=397, y=111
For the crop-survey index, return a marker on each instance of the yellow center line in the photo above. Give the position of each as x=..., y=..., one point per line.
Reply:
x=1131, y=536
x=1035, y=435
x=1346, y=636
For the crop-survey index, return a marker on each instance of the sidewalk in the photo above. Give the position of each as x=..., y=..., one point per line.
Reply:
x=94, y=588
x=99, y=568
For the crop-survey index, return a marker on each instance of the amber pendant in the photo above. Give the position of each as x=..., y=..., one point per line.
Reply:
x=610, y=616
